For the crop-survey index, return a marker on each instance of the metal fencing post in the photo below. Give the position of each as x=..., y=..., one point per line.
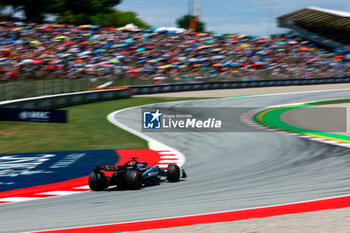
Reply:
x=12, y=90
x=48, y=87
x=61, y=86
x=40, y=87
x=87, y=84
x=6, y=91
x=65, y=85
x=17, y=89
x=44, y=87
x=76, y=85
x=81, y=84
x=57, y=87
x=52, y=86
x=2, y=92
x=27, y=91
x=36, y=87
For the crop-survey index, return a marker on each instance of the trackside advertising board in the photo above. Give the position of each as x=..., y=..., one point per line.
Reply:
x=33, y=115
x=24, y=170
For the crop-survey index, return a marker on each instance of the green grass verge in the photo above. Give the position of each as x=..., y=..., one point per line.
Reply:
x=338, y=101
x=87, y=129
x=271, y=119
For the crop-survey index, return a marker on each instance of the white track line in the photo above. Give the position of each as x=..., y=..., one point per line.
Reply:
x=18, y=199
x=168, y=157
x=152, y=143
x=165, y=152
x=83, y=187
x=60, y=193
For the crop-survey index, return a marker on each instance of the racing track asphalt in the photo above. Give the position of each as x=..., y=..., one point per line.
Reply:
x=226, y=171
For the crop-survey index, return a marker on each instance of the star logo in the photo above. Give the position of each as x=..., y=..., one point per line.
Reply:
x=156, y=115
x=152, y=120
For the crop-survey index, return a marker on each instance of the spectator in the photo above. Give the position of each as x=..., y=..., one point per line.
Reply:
x=67, y=51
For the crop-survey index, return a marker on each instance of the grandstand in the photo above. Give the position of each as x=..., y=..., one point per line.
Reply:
x=91, y=55
x=330, y=28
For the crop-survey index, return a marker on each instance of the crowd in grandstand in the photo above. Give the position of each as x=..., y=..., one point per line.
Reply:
x=87, y=51
x=340, y=35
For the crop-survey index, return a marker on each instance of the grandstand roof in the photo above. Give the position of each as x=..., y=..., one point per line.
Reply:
x=318, y=16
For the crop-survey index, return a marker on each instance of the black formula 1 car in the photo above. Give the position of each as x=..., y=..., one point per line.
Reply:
x=132, y=175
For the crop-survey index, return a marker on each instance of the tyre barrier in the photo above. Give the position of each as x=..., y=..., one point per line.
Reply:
x=65, y=100
x=70, y=99
x=149, y=89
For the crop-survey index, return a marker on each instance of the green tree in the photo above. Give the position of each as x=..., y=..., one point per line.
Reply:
x=114, y=18
x=87, y=7
x=35, y=10
x=184, y=22
x=2, y=13
x=122, y=18
x=99, y=12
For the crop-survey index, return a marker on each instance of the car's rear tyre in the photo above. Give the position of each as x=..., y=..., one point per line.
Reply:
x=134, y=179
x=97, y=181
x=173, y=173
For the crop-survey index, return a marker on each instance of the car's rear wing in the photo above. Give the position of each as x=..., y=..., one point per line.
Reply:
x=108, y=167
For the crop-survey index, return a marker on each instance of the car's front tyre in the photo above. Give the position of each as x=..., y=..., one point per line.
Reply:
x=173, y=173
